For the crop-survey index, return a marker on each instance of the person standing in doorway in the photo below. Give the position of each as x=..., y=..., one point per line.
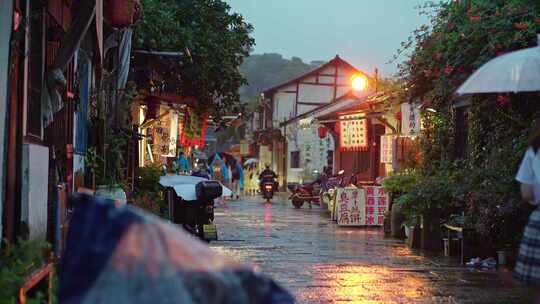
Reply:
x=527, y=267
x=183, y=163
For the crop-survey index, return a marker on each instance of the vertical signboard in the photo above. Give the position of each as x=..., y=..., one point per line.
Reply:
x=350, y=204
x=387, y=149
x=361, y=206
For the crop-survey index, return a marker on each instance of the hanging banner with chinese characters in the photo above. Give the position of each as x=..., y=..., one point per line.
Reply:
x=376, y=206
x=193, y=128
x=353, y=130
x=410, y=122
x=388, y=144
x=350, y=207
x=361, y=206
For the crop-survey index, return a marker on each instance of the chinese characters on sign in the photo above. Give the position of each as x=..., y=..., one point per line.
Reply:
x=361, y=207
x=410, y=123
x=350, y=209
x=387, y=149
x=353, y=133
x=376, y=206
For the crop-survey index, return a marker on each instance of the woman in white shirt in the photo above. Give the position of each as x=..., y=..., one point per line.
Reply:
x=528, y=263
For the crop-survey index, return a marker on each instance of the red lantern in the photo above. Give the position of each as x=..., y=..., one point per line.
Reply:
x=270, y=147
x=322, y=132
x=399, y=116
x=122, y=13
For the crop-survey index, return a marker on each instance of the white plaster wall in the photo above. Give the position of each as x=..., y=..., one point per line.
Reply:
x=305, y=108
x=5, y=33
x=284, y=105
x=311, y=148
x=315, y=93
x=35, y=180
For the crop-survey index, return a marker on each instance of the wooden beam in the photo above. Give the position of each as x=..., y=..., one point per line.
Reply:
x=296, y=100
x=313, y=103
x=335, y=82
x=324, y=84
x=385, y=122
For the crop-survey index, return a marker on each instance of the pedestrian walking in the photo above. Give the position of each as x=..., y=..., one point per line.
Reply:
x=254, y=180
x=528, y=263
x=240, y=182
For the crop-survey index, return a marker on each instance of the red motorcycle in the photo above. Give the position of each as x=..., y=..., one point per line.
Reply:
x=307, y=192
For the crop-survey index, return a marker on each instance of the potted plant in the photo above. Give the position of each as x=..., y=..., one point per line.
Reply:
x=398, y=185
x=412, y=231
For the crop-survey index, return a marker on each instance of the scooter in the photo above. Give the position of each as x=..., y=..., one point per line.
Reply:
x=197, y=216
x=267, y=190
x=307, y=192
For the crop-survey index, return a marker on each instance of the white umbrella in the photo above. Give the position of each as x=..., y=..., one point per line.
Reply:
x=251, y=161
x=517, y=71
x=184, y=185
x=171, y=180
x=188, y=193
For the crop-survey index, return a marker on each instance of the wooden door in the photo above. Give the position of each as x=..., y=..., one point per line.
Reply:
x=375, y=149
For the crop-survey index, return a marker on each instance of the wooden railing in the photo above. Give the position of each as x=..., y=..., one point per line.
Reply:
x=33, y=281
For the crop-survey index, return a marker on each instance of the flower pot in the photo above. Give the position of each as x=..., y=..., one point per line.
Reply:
x=413, y=237
x=387, y=224
x=431, y=233
x=502, y=257
x=407, y=232
x=122, y=13
x=396, y=221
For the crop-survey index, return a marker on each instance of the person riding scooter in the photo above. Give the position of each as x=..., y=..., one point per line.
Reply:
x=268, y=175
x=268, y=183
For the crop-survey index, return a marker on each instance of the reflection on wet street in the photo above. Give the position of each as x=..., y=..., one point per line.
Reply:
x=321, y=263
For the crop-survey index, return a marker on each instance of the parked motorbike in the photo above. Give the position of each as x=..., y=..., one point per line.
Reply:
x=307, y=192
x=267, y=190
x=329, y=185
x=197, y=216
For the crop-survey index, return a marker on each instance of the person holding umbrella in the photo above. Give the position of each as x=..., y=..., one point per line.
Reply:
x=517, y=72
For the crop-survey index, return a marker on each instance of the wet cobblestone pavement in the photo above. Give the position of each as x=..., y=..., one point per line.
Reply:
x=322, y=263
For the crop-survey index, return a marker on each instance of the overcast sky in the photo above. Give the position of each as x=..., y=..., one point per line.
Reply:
x=366, y=33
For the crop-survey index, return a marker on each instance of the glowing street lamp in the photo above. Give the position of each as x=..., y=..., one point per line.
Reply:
x=359, y=82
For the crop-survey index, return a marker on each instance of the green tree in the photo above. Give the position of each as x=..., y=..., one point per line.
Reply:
x=214, y=41
x=267, y=70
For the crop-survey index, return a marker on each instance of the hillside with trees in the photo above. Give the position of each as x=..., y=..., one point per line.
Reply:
x=266, y=70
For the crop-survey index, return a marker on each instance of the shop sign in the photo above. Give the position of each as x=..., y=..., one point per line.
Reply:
x=410, y=122
x=377, y=203
x=193, y=129
x=350, y=207
x=353, y=133
x=388, y=147
x=361, y=206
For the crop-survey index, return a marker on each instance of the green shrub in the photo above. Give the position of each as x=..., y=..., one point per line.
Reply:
x=148, y=194
x=400, y=183
x=148, y=178
x=17, y=262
